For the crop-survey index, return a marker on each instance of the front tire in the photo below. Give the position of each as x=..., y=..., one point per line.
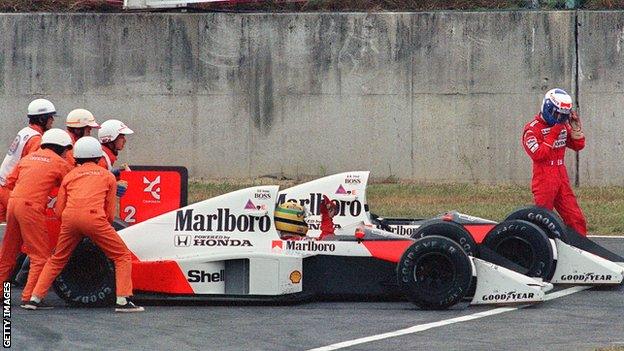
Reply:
x=434, y=273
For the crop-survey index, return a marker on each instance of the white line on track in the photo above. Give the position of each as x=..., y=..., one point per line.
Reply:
x=607, y=236
x=427, y=326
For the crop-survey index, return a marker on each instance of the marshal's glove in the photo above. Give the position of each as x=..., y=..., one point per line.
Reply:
x=122, y=186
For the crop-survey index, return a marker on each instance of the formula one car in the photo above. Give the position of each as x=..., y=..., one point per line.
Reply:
x=531, y=240
x=227, y=249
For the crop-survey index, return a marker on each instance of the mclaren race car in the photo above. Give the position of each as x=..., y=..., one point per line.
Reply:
x=227, y=249
x=531, y=240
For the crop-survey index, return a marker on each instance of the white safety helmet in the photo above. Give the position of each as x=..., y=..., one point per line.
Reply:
x=56, y=136
x=110, y=130
x=80, y=118
x=87, y=147
x=40, y=107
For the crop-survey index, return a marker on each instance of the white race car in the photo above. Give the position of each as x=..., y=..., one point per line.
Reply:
x=226, y=249
x=531, y=240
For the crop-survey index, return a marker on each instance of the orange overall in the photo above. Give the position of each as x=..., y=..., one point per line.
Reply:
x=31, y=146
x=33, y=178
x=86, y=205
x=69, y=155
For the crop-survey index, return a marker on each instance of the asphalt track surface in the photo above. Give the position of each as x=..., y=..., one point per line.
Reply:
x=582, y=320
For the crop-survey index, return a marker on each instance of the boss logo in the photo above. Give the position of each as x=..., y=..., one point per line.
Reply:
x=262, y=196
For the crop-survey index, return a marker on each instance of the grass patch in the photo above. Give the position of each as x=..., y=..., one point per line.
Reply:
x=603, y=206
x=610, y=348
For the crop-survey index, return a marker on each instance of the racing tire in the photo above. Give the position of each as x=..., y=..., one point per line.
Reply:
x=88, y=279
x=525, y=244
x=548, y=220
x=434, y=273
x=450, y=230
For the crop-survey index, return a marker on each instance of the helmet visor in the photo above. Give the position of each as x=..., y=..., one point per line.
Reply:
x=562, y=110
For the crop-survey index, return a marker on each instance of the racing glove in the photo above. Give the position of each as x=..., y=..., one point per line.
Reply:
x=122, y=186
x=328, y=211
x=577, y=128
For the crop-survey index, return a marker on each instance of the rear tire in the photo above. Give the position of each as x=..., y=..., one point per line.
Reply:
x=525, y=244
x=549, y=221
x=88, y=279
x=434, y=273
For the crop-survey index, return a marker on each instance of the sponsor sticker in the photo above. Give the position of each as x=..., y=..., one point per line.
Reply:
x=250, y=205
x=341, y=190
x=201, y=276
x=406, y=230
x=309, y=246
x=509, y=296
x=276, y=245
x=152, y=188
x=222, y=220
x=182, y=240
x=14, y=145
x=295, y=277
x=352, y=179
x=209, y=240
x=262, y=194
x=313, y=203
x=586, y=277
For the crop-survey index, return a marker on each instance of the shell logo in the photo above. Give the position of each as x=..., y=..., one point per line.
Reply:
x=295, y=277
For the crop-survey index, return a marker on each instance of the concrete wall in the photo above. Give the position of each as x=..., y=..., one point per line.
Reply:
x=428, y=96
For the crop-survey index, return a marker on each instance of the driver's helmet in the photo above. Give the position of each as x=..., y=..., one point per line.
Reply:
x=556, y=106
x=290, y=219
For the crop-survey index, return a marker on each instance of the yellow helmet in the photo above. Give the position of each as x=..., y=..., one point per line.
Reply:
x=290, y=217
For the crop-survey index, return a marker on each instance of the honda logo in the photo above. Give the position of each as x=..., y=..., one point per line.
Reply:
x=152, y=187
x=182, y=240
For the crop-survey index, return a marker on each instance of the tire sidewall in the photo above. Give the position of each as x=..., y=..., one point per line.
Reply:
x=548, y=220
x=543, y=264
x=420, y=295
x=77, y=293
x=449, y=230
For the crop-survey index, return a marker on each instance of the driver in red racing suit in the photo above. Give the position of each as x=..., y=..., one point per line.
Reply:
x=545, y=140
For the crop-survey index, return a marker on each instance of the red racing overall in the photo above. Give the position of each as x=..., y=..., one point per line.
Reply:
x=550, y=185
